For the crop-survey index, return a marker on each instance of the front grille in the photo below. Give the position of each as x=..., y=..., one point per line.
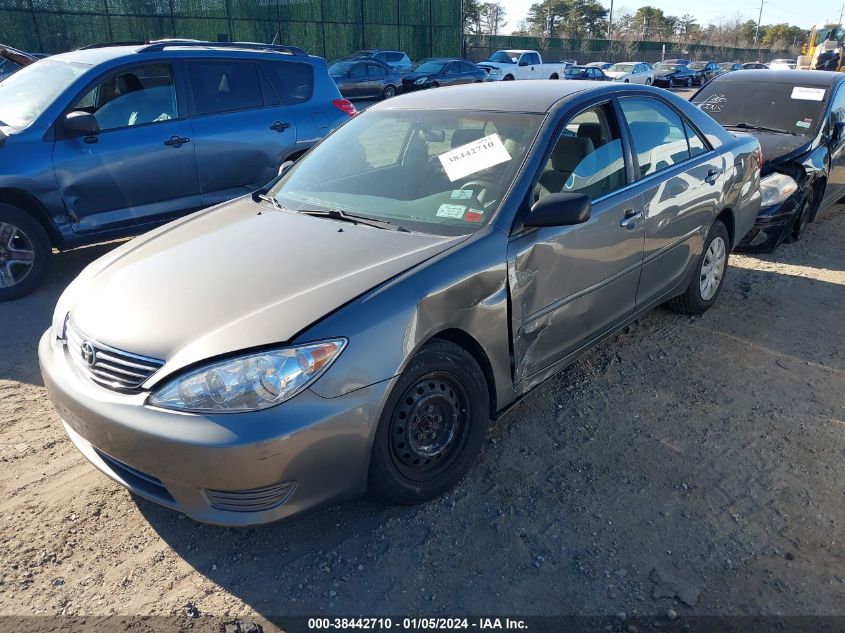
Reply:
x=107, y=366
x=250, y=500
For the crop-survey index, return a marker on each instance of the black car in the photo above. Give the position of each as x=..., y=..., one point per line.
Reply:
x=671, y=75
x=799, y=119
x=704, y=71
x=442, y=71
x=754, y=66
x=365, y=79
x=585, y=73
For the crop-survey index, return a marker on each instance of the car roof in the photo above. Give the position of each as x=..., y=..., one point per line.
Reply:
x=499, y=96
x=797, y=77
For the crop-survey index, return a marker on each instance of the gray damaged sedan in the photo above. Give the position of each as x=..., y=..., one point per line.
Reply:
x=356, y=324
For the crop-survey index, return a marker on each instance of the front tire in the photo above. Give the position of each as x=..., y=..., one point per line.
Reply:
x=648, y=81
x=802, y=219
x=389, y=92
x=24, y=253
x=709, y=277
x=689, y=82
x=432, y=427
x=508, y=78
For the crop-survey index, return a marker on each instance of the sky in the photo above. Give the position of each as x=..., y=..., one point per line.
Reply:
x=811, y=11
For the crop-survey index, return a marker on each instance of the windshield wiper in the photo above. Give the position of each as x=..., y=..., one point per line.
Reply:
x=271, y=200
x=761, y=128
x=352, y=218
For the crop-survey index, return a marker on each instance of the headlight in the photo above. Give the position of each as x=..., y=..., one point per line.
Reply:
x=495, y=71
x=248, y=383
x=776, y=188
x=421, y=81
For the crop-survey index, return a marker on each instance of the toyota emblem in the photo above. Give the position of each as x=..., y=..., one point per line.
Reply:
x=89, y=354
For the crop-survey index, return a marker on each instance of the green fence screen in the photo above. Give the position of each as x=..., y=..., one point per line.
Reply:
x=330, y=28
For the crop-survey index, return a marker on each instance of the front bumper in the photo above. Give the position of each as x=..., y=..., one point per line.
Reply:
x=771, y=225
x=230, y=469
x=659, y=81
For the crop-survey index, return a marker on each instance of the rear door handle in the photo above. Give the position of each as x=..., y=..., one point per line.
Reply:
x=712, y=175
x=631, y=219
x=280, y=126
x=177, y=141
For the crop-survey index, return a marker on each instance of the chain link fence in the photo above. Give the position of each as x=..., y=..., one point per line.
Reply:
x=330, y=28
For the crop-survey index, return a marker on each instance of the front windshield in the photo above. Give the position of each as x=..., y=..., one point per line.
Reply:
x=504, y=57
x=834, y=34
x=576, y=71
x=430, y=67
x=698, y=65
x=668, y=67
x=443, y=172
x=31, y=90
x=784, y=106
x=621, y=68
x=340, y=69
x=726, y=65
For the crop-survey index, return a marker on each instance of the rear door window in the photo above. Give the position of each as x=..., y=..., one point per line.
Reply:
x=660, y=140
x=293, y=81
x=224, y=86
x=376, y=72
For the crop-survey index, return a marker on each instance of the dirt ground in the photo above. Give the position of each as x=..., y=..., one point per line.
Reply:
x=692, y=464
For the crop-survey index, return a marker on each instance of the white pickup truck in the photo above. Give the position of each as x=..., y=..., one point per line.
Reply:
x=508, y=65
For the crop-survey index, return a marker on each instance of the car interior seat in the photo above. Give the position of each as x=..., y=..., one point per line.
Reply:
x=568, y=152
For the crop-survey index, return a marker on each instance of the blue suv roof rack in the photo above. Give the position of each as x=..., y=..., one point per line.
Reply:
x=160, y=45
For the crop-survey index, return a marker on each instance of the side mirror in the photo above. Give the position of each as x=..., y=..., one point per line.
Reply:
x=838, y=131
x=285, y=166
x=523, y=62
x=560, y=209
x=80, y=123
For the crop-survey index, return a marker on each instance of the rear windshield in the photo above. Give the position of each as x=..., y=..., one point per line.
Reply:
x=621, y=68
x=668, y=67
x=576, y=71
x=793, y=108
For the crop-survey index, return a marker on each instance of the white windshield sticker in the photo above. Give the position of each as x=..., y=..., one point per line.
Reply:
x=804, y=124
x=451, y=211
x=808, y=94
x=473, y=157
x=462, y=194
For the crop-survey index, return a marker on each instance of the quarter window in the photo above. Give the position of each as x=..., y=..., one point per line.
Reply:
x=224, y=86
x=587, y=157
x=134, y=96
x=696, y=145
x=660, y=140
x=293, y=81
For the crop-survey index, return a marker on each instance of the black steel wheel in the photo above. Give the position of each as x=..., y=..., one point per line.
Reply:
x=432, y=426
x=802, y=219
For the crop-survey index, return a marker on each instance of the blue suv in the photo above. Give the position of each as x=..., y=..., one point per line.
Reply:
x=112, y=140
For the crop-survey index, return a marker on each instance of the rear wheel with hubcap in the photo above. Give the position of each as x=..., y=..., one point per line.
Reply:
x=389, y=92
x=24, y=253
x=648, y=81
x=709, y=277
x=801, y=220
x=432, y=427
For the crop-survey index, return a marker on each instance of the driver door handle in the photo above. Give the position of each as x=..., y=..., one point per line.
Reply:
x=280, y=126
x=631, y=218
x=177, y=141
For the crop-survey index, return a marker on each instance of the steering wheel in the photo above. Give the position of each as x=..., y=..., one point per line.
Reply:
x=480, y=185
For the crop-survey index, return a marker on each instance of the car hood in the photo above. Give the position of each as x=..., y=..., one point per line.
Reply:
x=665, y=73
x=779, y=148
x=616, y=73
x=235, y=277
x=495, y=65
x=411, y=77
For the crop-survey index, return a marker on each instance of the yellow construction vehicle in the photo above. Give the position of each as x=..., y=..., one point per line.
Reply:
x=823, y=49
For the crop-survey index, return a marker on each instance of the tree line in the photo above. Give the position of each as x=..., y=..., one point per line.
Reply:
x=588, y=19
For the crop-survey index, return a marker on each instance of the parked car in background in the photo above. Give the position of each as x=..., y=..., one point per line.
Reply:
x=631, y=72
x=463, y=234
x=602, y=65
x=783, y=64
x=672, y=75
x=508, y=65
x=109, y=141
x=442, y=71
x=754, y=66
x=12, y=60
x=397, y=60
x=586, y=73
x=704, y=71
x=365, y=79
x=729, y=67
x=675, y=62
x=799, y=120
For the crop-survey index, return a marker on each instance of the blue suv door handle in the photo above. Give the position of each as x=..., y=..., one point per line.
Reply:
x=177, y=141
x=280, y=126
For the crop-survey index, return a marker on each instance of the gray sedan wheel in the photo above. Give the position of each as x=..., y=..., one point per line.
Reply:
x=24, y=253
x=709, y=274
x=389, y=92
x=432, y=427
